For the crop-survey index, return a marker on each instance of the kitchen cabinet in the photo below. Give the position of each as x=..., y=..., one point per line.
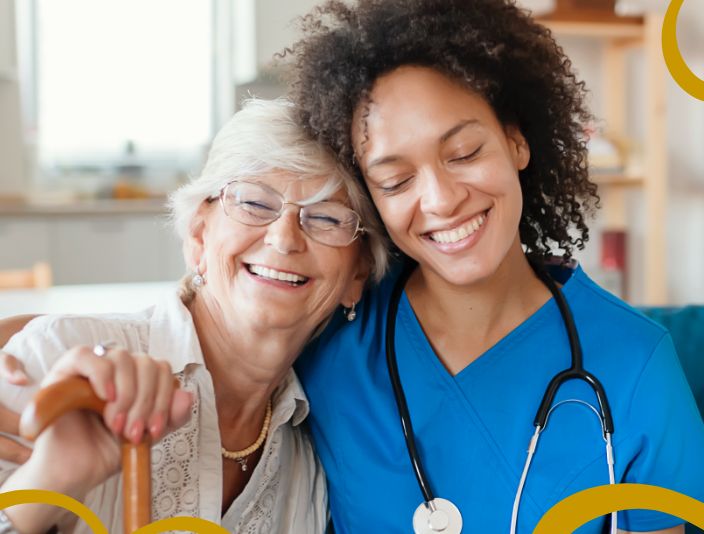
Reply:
x=98, y=247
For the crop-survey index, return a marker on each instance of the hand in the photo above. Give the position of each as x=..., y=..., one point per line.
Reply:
x=12, y=371
x=79, y=450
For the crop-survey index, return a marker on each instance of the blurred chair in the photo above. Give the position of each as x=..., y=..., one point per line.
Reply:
x=686, y=325
x=39, y=276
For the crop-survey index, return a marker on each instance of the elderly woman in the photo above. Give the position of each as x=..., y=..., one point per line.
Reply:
x=272, y=234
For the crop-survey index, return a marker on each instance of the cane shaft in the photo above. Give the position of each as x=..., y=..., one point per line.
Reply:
x=136, y=485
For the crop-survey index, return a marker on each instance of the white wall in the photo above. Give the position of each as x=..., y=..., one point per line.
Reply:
x=12, y=179
x=275, y=25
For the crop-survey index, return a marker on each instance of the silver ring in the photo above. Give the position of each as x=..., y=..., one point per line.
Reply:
x=101, y=349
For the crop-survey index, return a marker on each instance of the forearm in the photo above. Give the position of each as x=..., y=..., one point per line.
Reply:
x=38, y=518
x=11, y=325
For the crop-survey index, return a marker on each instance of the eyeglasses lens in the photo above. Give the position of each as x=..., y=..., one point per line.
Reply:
x=330, y=223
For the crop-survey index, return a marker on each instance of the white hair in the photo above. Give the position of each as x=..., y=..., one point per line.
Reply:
x=264, y=137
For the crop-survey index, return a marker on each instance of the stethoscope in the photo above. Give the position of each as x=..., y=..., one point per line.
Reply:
x=437, y=515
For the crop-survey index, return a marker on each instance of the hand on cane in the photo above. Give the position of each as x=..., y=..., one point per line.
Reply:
x=79, y=451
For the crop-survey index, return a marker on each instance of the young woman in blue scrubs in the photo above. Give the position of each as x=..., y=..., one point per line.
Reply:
x=464, y=122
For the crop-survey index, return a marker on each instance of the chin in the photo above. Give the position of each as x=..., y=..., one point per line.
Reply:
x=466, y=274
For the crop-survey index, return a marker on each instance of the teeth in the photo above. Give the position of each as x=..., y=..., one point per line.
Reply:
x=457, y=234
x=273, y=274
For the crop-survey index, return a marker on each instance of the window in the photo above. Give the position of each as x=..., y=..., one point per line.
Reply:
x=117, y=88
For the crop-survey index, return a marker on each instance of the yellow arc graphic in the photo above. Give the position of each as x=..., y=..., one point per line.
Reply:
x=12, y=498
x=676, y=64
x=580, y=508
x=190, y=524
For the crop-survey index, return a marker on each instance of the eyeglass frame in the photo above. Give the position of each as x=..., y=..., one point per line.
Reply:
x=359, y=230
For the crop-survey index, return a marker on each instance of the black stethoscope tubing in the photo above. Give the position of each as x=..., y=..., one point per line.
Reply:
x=575, y=371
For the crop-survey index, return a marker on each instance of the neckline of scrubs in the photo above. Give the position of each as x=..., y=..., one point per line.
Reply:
x=566, y=276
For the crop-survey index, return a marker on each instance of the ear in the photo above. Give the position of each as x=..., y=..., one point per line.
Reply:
x=519, y=147
x=355, y=288
x=194, y=243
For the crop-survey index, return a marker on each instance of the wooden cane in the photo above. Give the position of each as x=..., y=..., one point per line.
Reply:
x=76, y=393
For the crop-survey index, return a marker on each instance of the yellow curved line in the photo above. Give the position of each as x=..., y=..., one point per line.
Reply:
x=191, y=524
x=580, y=508
x=12, y=498
x=679, y=70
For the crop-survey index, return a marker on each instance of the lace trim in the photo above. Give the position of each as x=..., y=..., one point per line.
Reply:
x=257, y=516
x=175, y=466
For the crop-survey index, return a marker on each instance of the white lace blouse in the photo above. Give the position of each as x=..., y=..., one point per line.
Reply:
x=286, y=493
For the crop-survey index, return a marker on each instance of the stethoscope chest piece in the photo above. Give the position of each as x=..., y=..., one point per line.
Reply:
x=444, y=519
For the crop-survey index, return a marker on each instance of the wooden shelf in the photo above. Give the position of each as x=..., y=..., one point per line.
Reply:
x=617, y=180
x=626, y=31
x=618, y=37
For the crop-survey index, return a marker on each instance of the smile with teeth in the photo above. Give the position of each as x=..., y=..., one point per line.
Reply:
x=273, y=274
x=459, y=233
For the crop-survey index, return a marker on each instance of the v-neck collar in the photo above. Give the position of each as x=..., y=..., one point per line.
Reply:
x=566, y=276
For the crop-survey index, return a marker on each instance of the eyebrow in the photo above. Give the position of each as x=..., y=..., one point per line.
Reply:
x=457, y=128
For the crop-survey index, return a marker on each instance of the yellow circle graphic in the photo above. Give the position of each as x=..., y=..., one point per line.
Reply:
x=580, y=508
x=676, y=64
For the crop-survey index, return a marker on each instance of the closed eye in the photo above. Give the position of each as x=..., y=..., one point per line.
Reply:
x=395, y=188
x=255, y=205
x=467, y=157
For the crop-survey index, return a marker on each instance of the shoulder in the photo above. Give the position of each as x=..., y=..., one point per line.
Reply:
x=608, y=322
x=342, y=338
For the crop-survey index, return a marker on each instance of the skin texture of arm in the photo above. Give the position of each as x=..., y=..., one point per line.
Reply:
x=11, y=325
x=12, y=371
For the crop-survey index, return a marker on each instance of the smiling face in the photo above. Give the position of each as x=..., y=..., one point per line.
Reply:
x=274, y=276
x=443, y=173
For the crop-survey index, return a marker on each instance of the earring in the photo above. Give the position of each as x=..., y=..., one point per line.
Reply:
x=350, y=313
x=198, y=279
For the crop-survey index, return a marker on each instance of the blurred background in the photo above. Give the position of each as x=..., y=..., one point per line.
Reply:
x=106, y=106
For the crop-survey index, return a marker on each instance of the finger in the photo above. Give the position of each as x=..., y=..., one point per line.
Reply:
x=180, y=409
x=116, y=413
x=9, y=422
x=146, y=385
x=12, y=370
x=82, y=361
x=162, y=400
x=14, y=452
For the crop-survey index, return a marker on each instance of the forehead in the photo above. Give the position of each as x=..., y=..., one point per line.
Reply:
x=412, y=102
x=296, y=187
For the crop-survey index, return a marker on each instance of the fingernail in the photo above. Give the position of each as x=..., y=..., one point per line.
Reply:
x=156, y=424
x=118, y=422
x=136, y=432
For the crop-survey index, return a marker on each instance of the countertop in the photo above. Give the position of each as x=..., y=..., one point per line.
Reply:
x=82, y=207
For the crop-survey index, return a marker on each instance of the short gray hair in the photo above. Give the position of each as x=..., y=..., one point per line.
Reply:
x=263, y=137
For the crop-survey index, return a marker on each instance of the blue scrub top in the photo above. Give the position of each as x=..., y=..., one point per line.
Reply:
x=472, y=429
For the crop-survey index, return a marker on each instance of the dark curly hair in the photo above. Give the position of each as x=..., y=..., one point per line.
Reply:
x=490, y=46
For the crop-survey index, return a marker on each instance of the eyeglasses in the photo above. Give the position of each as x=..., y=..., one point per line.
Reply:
x=255, y=204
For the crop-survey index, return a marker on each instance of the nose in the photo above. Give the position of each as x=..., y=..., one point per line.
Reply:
x=441, y=193
x=285, y=234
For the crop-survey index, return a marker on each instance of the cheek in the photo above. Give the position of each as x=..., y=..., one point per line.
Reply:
x=395, y=211
x=224, y=248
